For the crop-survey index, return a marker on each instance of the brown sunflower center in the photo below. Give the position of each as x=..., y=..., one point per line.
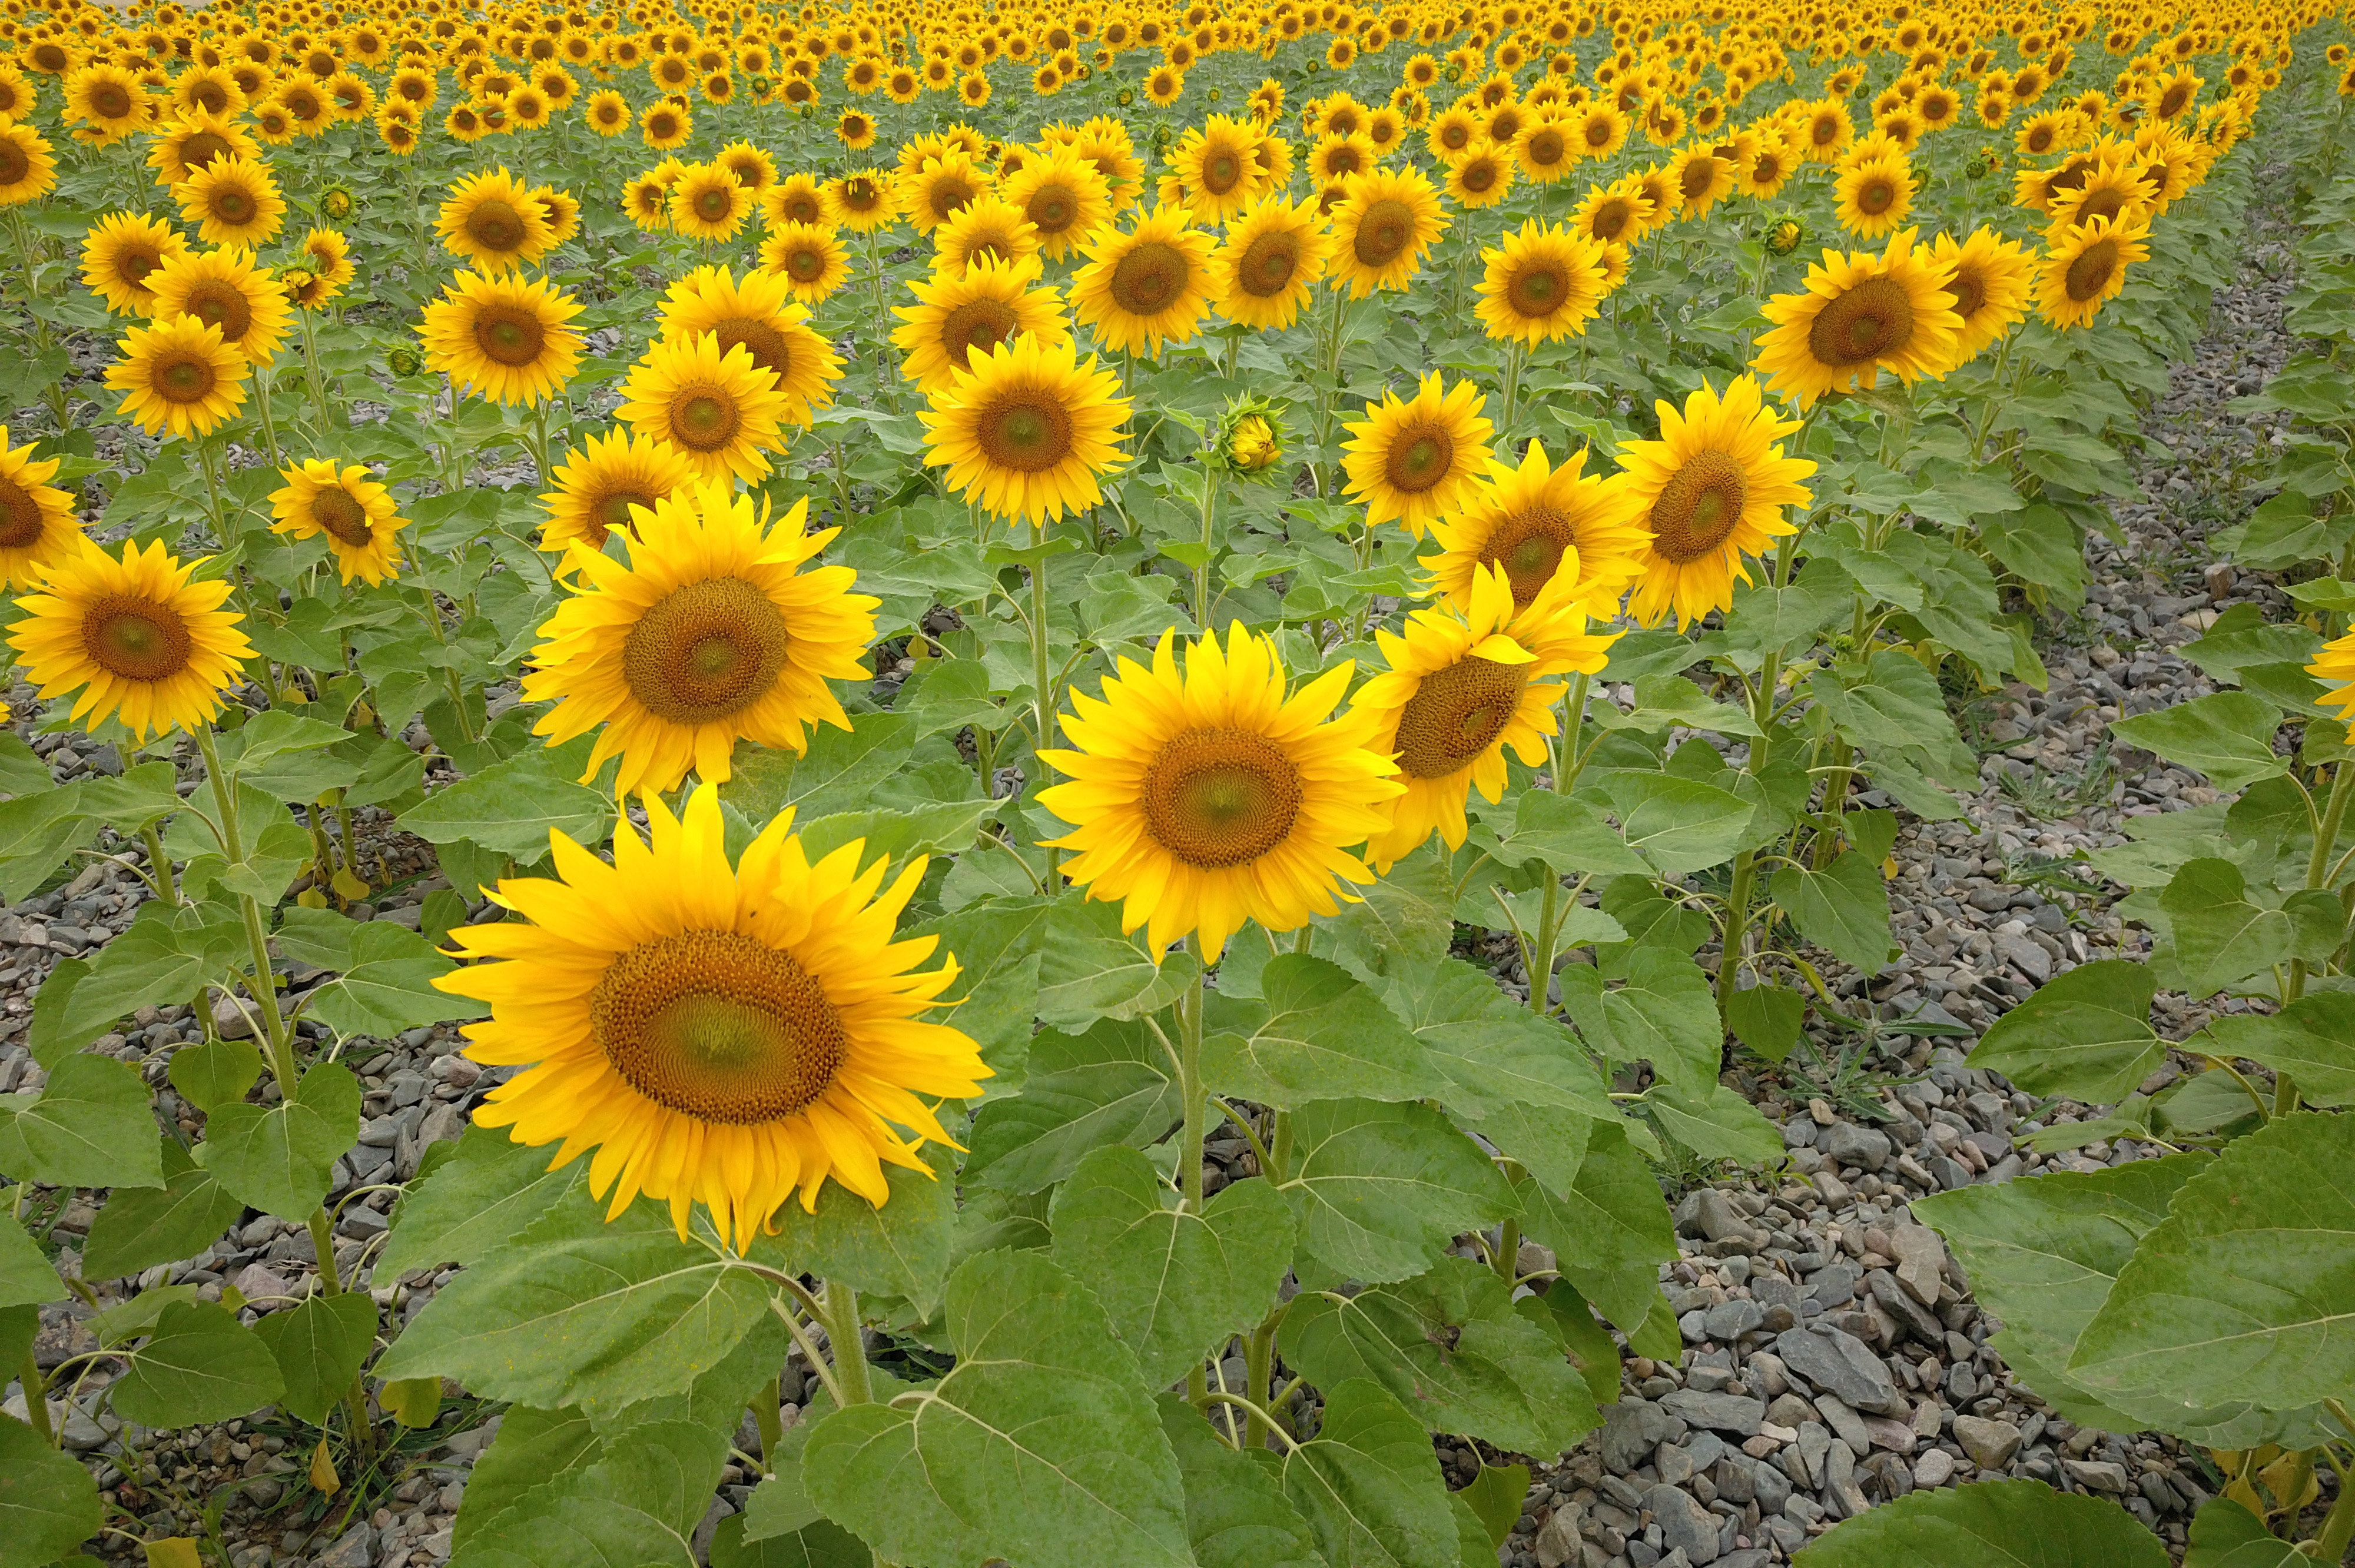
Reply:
x=338, y=512
x=1598, y=132
x=1150, y=279
x=202, y=148
x=1026, y=430
x=14, y=164
x=1220, y=797
x=976, y=326
x=1611, y=218
x=759, y=339
x=1538, y=289
x=1875, y=197
x=20, y=515
x=1870, y=321
x=1529, y=548
x=496, y=227
x=110, y=102
x=232, y=204
x=610, y=509
x=2089, y=274
x=2105, y=203
x=1269, y=264
x=1221, y=172
x=1454, y=137
x=2039, y=139
x=221, y=304
x=134, y=266
x=712, y=203
x=185, y=379
x=948, y=196
x=1385, y=230
x=1698, y=176
x=704, y=417
x=135, y=638
x=1698, y=508
x=509, y=336
x=718, y=1026
x=710, y=650
x=1546, y=148
x=1456, y=714
x=804, y=264
x=1969, y=287
x=804, y=208
x=1420, y=455
x=1479, y=175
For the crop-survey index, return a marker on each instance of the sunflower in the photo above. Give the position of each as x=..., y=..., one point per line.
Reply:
x=1450, y=132
x=953, y=318
x=1862, y=315
x=1543, y=284
x=511, y=341
x=709, y=203
x=189, y=143
x=1700, y=179
x=1992, y=280
x=861, y=202
x=810, y=257
x=1205, y=798
x=356, y=514
x=935, y=192
x=711, y=632
x=106, y=99
x=987, y=225
x=648, y=201
x=120, y=256
x=607, y=113
x=2334, y=666
x=1147, y=286
x=225, y=289
x=232, y=200
x=1620, y=215
x=1268, y=267
x=1026, y=429
x=28, y=170
x=1772, y=163
x=1538, y=523
x=796, y=198
x=38, y=524
x=759, y=313
x=492, y=221
x=17, y=94
x=1711, y=490
x=1461, y=690
x=719, y=1035
x=1546, y=149
x=1873, y=193
x=720, y=411
x=600, y=487
x=142, y=644
x=2086, y=265
x=665, y=125
x=1216, y=163
x=1414, y=463
x=1386, y=220
x=1481, y=177
x=1064, y=197
x=2110, y=189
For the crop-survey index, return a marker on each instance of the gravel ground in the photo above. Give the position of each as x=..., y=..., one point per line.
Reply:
x=1835, y=1358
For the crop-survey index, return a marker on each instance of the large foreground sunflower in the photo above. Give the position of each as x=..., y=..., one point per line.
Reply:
x=718, y=1035
x=1268, y=267
x=511, y=341
x=1386, y=222
x=1148, y=286
x=759, y=312
x=142, y=644
x=1026, y=428
x=37, y=519
x=1413, y=462
x=1461, y=690
x=225, y=289
x=1542, y=284
x=359, y=517
x=232, y=201
x=710, y=633
x=2086, y=266
x=720, y=411
x=179, y=374
x=602, y=486
x=955, y=318
x=1862, y=315
x=120, y=256
x=1206, y=799
x=1537, y=522
x=1712, y=488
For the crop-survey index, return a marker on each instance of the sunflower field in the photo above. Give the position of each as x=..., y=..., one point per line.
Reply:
x=1090, y=746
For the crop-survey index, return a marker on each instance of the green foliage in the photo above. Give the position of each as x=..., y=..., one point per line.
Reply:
x=1989, y=1524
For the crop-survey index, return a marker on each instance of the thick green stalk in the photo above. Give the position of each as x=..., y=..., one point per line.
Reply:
x=1190, y=1141
x=262, y=987
x=1210, y=543
x=1041, y=679
x=1538, y=953
x=842, y=1334
x=1745, y=864
x=37, y=1398
x=2317, y=869
x=771, y=1425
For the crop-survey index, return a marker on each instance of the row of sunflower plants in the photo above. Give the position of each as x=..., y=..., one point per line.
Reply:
x=908, y=1024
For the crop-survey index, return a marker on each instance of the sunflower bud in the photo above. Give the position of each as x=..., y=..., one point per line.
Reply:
x=1785, y=235
x=1983, y=163
x=403, y=361
x=1250, y=438
x=335, y=204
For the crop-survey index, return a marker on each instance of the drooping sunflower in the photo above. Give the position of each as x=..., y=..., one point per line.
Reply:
x=29, y=170
x=600, y=487
x=1414, y=461
x=955, y=318
x=810, y=257
x=1208, y=798
x=192, y=140
x=562, y=212
x=121, y=257
x=648, y=201
x=718, y=1034
x=1537, y=522
x=1064, y=197
x=1462, y=689
x=232, y=200
x=759, y=312
x=1147, y=286
x=1873, y=193
x=1711, y=490
x=709, y=203
x=1862, y=315
x=1542, y=285
x=141, y=642
x=711, y=632
x=1993, y=278
x=2113, y=189
x=38, y=524
x=720, y=411
x=1026, y=428
x=225, y=289
x=179, y=374
x=1386, y=223
x=509, y=340
x=357, y=515
x=1267, y=269
x=492, y=221
x=329, y=255
x=2086, y=266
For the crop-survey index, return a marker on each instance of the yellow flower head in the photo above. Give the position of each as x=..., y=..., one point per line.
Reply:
x=142, y=642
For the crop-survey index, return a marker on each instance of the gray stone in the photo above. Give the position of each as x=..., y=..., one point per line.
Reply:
x=1709, y=1215
x=1838, y=1363
x=1767, y=1483
x=1748, y=1557
x=1921, y=1261
x=1911, y=1314
x=1990, y=1444
x=1557, y=1544
x=355, y=1550
x=1632, y=1429
x=1685, y=1525
x=1840, y=1490
x=1845, y=1424
x=1717, y=1411
x=2097, y=1475
x=1673, y=1465
x=1866, y=1147
x=1729, y=1321
x=1934, y=1468
x=1834, y=1285
x=1815, y=1441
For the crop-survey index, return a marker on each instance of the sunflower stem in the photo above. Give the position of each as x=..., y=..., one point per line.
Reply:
x=212, y=489
x=1538, y=955
x=1209, y=536
x=2317, y=872
x=1045, y=706
x=311, y=375
x=261, y=986
x=36, y=1395
x=159, y=865
x=1573, y=729
x=843, y=1337
x=772, y=1427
